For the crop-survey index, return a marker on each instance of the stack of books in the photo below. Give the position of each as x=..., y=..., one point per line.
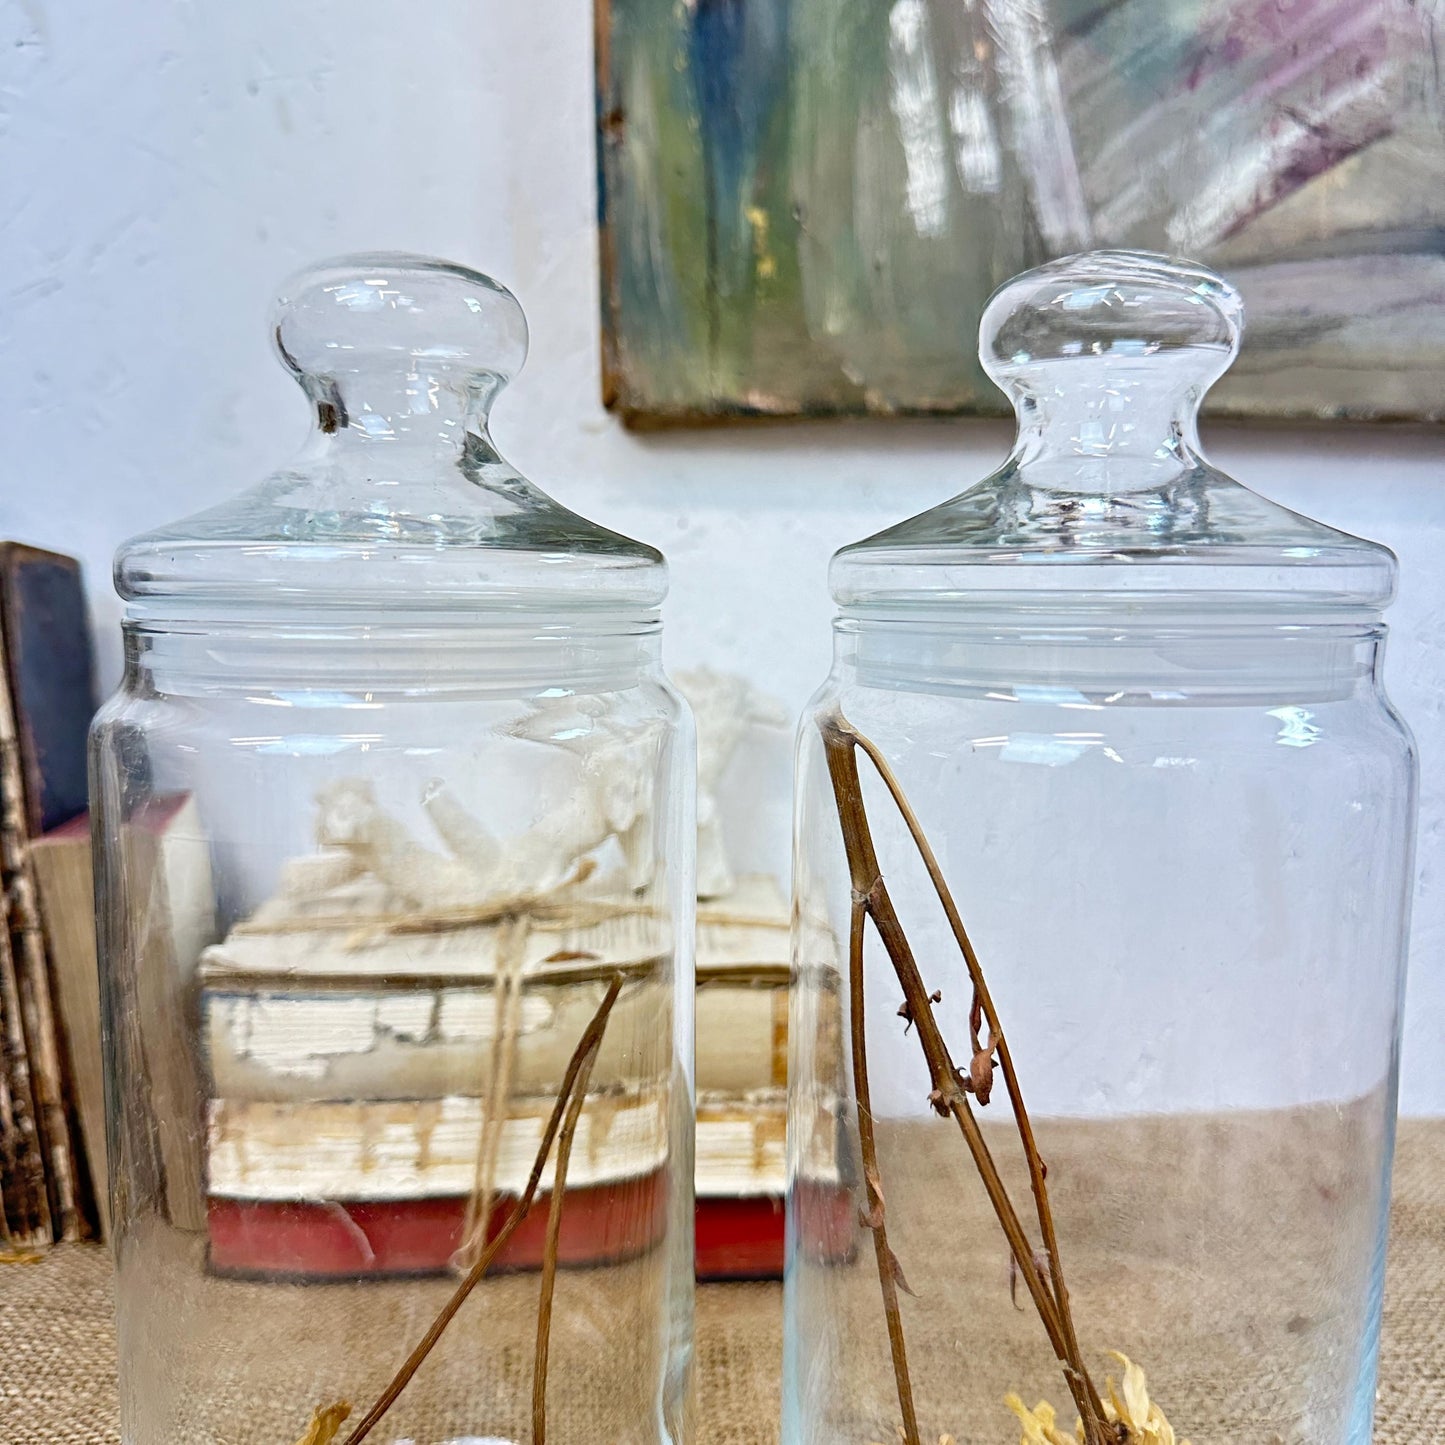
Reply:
x=49, y=1019
x=368, y=1089
x=351, y=1079
x=332, y=1104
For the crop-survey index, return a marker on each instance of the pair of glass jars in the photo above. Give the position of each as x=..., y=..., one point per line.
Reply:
x=1101, y=879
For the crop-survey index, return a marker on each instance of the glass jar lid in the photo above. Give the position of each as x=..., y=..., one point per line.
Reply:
x=399, y=501
x=1107, y=504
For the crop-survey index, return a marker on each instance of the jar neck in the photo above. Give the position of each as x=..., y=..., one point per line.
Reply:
x=322, y=662
x=1106, y=442
x=1107, y=663
x=434, y=410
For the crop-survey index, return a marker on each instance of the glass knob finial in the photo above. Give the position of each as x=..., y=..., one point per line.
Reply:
x=1111, y=309
x=389, y=314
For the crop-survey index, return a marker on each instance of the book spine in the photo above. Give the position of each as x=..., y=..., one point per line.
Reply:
x=50, y=668
x=42, y=1042
x=25, y=1219
x=66, y=887
x=43, y=1050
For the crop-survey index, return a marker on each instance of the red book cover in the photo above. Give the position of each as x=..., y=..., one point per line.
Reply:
x=739, y=1238
x=307, y=1240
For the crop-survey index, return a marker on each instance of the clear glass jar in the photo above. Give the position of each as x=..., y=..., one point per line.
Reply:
x=1148, y=781
x=393, y=814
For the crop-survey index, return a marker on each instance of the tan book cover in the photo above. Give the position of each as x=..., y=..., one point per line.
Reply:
x=65, y=880
x=163, y=857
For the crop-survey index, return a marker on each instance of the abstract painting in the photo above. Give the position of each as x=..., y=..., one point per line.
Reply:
x=805, y=203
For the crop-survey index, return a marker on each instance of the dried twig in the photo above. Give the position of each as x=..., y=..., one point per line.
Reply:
x=549, y=1256
x=873, y=1183
x=579, y=1067
x=950, y=1087
x=983, y=1004
x=507, y=1017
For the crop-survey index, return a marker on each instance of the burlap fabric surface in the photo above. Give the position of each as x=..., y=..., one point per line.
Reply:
x=58, y=1379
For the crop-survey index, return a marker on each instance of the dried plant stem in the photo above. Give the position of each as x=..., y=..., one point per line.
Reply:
x=549, y=1256
x=840, y=742
x=507, y=1019
x=999, y=1040
x=578, y=1067
x=872, y=1179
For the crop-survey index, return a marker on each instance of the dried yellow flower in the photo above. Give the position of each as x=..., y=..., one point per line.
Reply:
x=1040, y=1424
x=1128, y=1406
x=326, y=1423
x=1133, y=1409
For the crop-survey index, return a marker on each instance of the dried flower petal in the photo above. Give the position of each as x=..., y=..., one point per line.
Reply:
x=898, y=1278
x=1040, y=1425
x=1138, y=1419
x=326, y=1423
x=1136, y=1394
x=980, y=1075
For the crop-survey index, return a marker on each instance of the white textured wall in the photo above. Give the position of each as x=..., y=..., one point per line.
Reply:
x=163, y=165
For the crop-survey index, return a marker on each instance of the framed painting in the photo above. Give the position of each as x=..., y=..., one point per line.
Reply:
x=805, y=203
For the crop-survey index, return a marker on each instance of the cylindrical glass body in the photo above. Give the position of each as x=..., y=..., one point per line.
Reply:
x=370, y=878
x=1183, y=859
x=1176, y=831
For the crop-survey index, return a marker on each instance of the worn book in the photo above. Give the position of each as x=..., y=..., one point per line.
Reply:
x=740, y=1218
x=161, y=859
x=300, y=1007
x=50, y=669
x=174, y=893
x=400, y=1149
x=311, y=1190
x=65, y=880
x=24, y=1199
x=43, y=1043
x=328, y=1022
x=47, y=697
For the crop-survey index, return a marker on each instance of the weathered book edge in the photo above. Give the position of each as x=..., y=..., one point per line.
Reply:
x=42, y=1039
x=64, y=875
x=173, y=918
x=24, y=1205
x=50, y=665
